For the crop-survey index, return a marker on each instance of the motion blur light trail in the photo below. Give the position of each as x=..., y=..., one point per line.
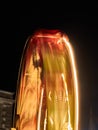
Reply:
x=47, y=88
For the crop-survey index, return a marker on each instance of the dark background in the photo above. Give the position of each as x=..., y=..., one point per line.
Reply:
x=82, y=30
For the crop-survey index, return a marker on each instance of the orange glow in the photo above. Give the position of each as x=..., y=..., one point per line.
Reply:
x=47, y=88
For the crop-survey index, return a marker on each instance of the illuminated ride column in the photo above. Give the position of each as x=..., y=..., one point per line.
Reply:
x=47, y=88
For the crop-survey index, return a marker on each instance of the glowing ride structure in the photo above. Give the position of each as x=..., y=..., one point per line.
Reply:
x=47, y=88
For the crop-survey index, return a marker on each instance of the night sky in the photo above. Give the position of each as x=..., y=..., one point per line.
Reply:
x=82, y=31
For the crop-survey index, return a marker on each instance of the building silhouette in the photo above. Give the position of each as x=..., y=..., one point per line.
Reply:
x=6, y=109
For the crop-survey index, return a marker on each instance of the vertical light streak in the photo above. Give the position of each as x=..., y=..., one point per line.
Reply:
x=75, y=83
x=45, y=120
x=40, y=106
x=65, y=85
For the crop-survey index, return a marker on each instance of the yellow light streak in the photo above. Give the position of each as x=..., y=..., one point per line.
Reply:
x=72, y=59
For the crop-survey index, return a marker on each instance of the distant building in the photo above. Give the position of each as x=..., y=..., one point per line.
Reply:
x=6, y=109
